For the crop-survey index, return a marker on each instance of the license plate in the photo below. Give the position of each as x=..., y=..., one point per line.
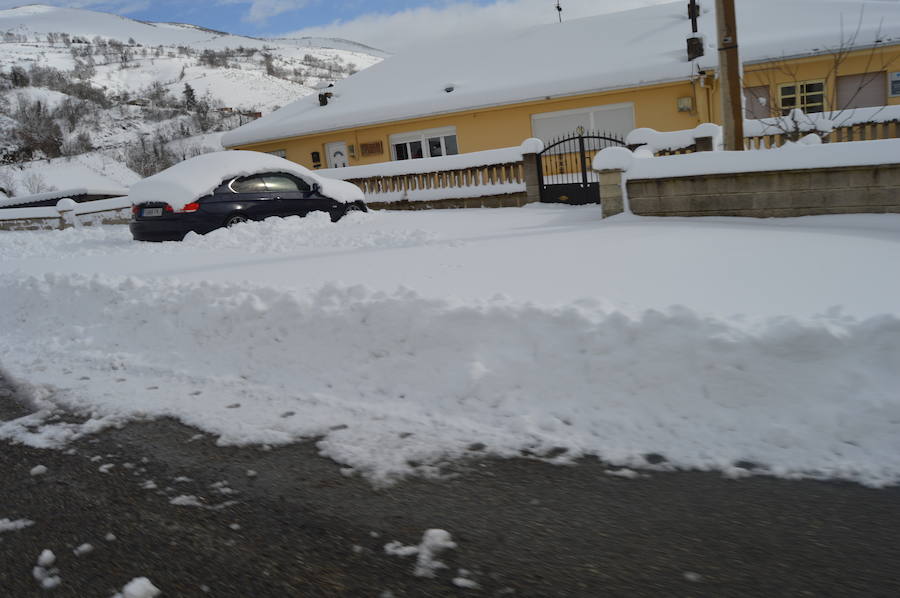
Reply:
x=150, y=212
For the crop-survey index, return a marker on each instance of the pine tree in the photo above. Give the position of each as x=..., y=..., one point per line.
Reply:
x=190, y=98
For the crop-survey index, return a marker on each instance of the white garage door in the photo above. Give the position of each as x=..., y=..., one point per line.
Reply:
x=613, y=119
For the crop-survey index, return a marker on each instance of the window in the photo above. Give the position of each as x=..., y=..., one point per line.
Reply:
x=614, y=119
x=424, y=144
x=756, y=102
x=280, y=153
x=283, y=184
x=861, y=91
x=252, y=184
x=809, y=96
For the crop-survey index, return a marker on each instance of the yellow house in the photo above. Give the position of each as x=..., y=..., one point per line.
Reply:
x=610, y=73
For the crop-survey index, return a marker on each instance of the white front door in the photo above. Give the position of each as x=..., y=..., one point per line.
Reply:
x=337, y=154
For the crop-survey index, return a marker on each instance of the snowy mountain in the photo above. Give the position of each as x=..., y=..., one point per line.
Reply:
x=74, y=80
x=57, y=37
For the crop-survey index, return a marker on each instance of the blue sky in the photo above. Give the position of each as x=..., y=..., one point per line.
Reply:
x=392, y=25
x=268, y=17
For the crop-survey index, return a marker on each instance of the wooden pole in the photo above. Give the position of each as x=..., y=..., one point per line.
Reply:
x=730, y=75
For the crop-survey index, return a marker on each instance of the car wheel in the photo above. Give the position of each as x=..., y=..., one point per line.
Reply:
x=235, y=219
x=356, y=206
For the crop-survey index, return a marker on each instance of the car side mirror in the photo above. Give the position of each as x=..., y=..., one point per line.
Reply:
x=316, y=188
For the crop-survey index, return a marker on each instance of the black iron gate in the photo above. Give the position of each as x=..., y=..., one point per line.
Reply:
x=564, y=167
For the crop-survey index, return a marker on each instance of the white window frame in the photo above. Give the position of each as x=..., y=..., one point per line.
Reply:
x=589, y=110
x=423, y=137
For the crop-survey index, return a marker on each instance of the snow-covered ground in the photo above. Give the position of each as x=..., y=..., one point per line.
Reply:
x=401, y=339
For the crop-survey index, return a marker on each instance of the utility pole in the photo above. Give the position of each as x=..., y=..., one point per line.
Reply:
x=730, y=75
x=559, y=10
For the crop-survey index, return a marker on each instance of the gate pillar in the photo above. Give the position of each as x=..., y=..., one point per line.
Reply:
x=611, y=191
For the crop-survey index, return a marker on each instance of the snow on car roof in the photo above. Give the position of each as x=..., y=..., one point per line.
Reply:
x=195, y=177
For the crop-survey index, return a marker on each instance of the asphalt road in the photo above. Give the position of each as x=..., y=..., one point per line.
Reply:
x=522, y=527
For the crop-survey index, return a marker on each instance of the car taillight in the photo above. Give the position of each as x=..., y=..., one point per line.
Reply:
x=135, y=210
x=191, y=207
x=167, y=208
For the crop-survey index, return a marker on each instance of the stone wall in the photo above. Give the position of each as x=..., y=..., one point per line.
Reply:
x=847, y=190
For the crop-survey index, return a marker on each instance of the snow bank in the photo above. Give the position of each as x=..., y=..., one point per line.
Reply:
x=396, y=383
x=199, y=176
x=787, y=157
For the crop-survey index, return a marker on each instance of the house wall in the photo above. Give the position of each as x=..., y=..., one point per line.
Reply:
x=503, y=126
x=780, y=72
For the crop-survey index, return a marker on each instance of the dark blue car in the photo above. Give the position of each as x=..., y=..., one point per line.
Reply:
x=240, y=199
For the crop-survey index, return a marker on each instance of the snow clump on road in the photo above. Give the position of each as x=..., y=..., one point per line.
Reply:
x=43, y=572
x=139, y=587
x=434, y=542
x=7, y=525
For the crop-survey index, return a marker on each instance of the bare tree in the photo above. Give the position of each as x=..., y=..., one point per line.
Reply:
x=786, y=115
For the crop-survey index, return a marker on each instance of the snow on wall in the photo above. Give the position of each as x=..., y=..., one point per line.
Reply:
x=21, y=199
x=504, y=155
x=823, y=122
x=657, y=141
x=788, y=157
x=440, y=164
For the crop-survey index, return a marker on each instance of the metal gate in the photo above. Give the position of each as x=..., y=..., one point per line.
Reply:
x=564, y=167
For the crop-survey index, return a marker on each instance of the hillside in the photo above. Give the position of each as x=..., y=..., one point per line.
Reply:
x=74, y=80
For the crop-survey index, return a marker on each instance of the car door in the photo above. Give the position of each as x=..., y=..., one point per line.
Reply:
x=289, y=194
x=253, y=198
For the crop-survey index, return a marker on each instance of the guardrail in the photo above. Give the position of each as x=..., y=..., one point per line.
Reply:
x=66, y=213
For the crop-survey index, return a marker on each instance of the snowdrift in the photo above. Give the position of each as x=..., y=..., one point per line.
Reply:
x=392, y=384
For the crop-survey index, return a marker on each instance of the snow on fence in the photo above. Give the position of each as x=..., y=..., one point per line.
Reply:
x=66, y=213
x=492, y=177
x=859, y=124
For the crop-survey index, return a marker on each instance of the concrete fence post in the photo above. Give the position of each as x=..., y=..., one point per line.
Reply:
x=66, y=209
x=531, y=148
x=532, y=182
x=612, y=200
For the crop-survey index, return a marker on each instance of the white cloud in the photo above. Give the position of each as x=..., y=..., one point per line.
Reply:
x=408, y=28
x=262, y=10
x=114, y=6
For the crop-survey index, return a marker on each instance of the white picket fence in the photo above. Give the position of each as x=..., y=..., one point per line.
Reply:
x=66, y=213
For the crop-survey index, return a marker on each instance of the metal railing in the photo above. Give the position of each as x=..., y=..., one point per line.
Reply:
x=65, y=214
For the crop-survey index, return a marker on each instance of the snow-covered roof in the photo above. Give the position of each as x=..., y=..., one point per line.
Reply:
x=199, y=176
x=75, y=192
x=609, y=51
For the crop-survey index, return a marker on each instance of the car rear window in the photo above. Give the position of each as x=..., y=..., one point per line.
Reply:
x=281, y=184
x=253, y=184
x=285, y=184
